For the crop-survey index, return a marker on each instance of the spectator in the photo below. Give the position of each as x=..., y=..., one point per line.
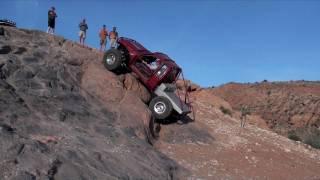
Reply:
x=103, y=38
x=113, y=36
x=245, y=111
x=1, y=31
x=83, y=30
x=51, y=20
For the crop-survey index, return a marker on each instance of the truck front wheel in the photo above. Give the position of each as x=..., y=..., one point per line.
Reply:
x=160, y=107
x=112, y=59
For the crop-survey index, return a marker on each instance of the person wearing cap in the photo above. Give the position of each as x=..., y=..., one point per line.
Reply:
x=103, y=38
x=83, y=30
x=113, y=36
x=52, y=15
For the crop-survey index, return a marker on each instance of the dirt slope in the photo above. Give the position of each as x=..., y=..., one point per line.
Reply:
x=284, y=105
x=221, y=149
x=63, y=116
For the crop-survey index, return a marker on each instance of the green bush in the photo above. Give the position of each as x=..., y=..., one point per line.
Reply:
x=313, y=138
x=308, y=135
x=293, y=136
x=225, y=111
x=315, y=143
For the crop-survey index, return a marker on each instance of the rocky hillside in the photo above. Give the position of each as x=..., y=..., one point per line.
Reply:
x=283, y=105
x=64, y=116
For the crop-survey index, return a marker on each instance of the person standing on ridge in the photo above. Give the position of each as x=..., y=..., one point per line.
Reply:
x=83, y=30
x=113, y=36
x=103, y=38
x=51, y=20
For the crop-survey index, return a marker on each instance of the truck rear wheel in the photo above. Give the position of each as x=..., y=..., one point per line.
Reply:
x=112, y=59
x=152, y=130
x=160, y=107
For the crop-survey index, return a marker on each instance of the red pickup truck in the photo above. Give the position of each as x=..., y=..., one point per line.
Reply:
x=157, y=71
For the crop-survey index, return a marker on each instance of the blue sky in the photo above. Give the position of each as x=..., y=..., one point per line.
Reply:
x=215, y=42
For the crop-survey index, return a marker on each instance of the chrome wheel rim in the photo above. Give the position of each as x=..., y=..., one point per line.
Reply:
x=160, y=107
x=111, y=59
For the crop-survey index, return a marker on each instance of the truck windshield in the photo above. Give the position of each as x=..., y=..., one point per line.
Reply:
x=151, y=61
x=147, y=65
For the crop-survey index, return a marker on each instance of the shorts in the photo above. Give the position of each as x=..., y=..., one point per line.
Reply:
x=103, y=41
x=82, y=34
x=113, y=43
x=51, y=23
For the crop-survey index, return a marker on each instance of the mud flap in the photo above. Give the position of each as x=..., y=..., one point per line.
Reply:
x=168, y=91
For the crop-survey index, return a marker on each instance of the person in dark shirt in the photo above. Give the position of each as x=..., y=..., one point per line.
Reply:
x=1, y=31
x=52, y=15
x=83, y=31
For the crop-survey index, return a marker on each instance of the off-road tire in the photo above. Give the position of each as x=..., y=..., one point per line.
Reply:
x=160, y=107
x=112, y=59
x=152, y=130
x=154, y=127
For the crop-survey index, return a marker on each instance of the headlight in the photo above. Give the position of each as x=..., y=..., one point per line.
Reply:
x=162, y=70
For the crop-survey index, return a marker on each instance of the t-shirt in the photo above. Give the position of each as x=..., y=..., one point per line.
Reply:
x=51, y=15
x=103, y=34
x=83, y=26
x=113, y=35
